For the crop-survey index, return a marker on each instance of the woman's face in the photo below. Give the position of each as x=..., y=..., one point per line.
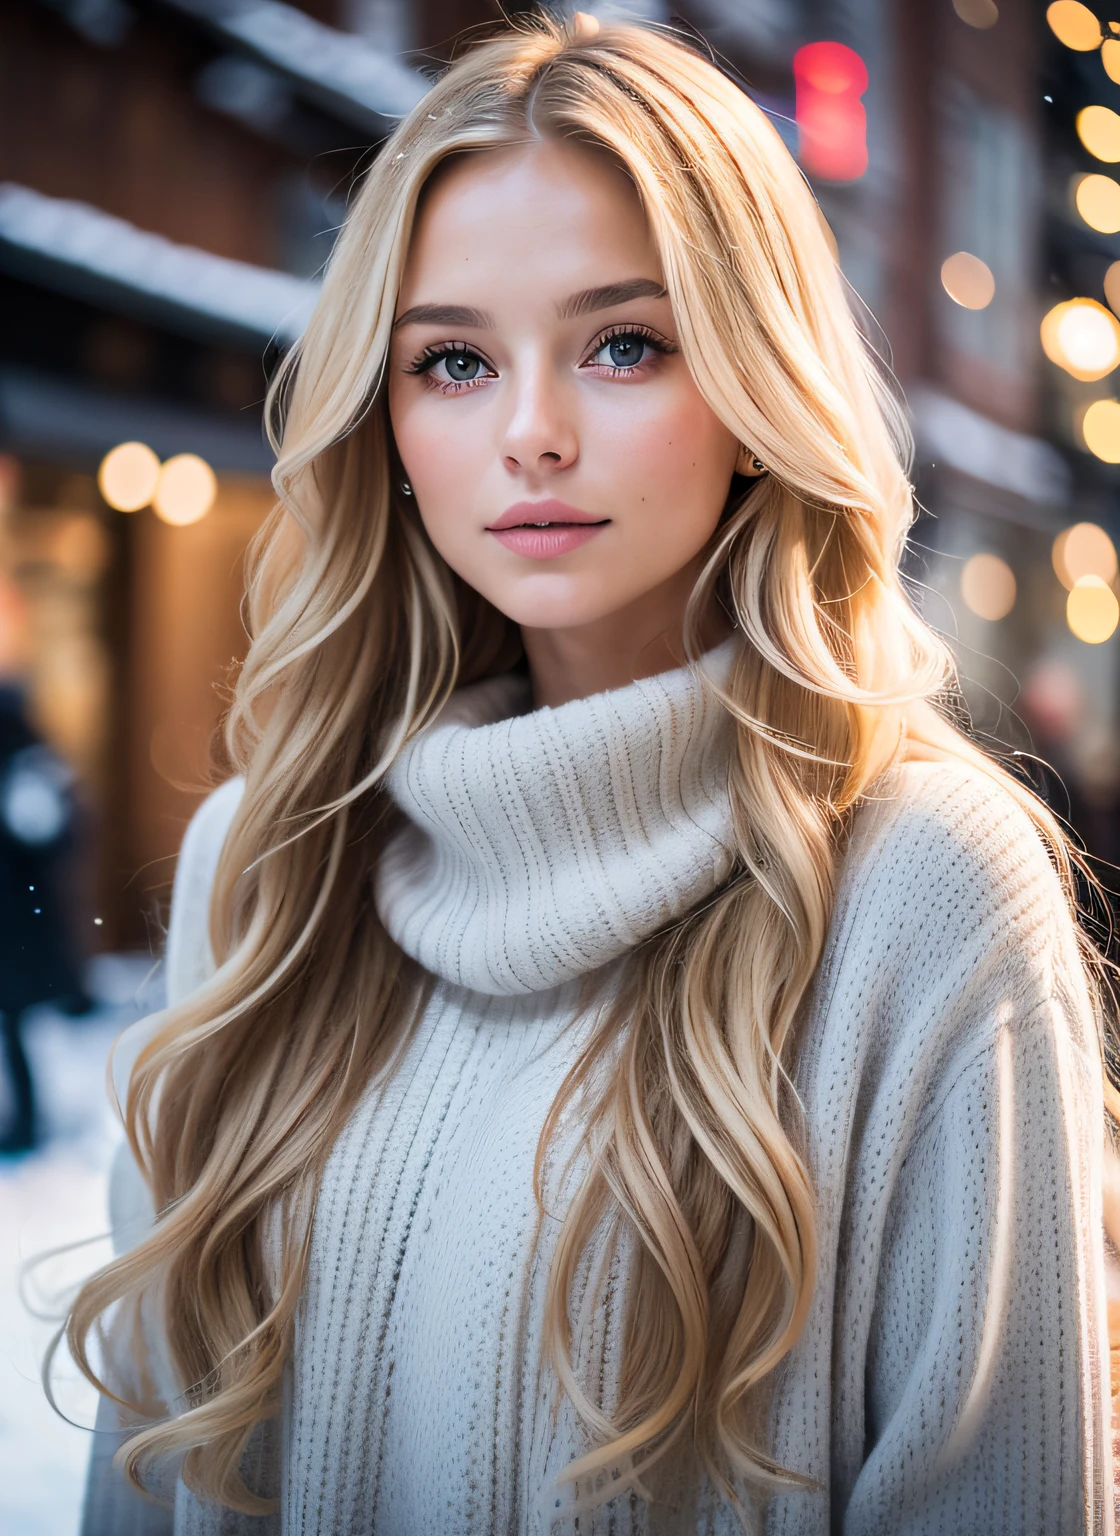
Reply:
x=563, y=461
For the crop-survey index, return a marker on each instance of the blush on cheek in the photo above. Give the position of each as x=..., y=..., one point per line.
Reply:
x=660, y=460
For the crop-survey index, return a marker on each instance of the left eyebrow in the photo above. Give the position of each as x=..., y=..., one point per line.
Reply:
x=591, y=299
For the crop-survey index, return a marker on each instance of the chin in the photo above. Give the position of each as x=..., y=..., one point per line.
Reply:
x=553, y=601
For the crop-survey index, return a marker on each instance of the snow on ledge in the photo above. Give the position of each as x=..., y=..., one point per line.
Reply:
x=953, y=433
x=342, y=71
x=111, y=251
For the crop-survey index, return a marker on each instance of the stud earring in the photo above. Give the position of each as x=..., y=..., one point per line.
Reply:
x=749, y=463
x=406, y=487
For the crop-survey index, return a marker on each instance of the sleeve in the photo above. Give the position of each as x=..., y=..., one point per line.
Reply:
x=112, y=1507
x=986, y=1405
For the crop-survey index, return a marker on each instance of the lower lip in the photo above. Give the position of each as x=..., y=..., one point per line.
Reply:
x=547, y=543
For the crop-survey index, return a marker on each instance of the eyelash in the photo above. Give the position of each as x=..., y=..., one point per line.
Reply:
x=432, y=355
x=658, y=343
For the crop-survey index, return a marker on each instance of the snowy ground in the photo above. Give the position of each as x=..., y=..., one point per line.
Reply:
x=57, y=1196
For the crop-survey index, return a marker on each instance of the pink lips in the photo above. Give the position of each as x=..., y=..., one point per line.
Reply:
x=541, y=530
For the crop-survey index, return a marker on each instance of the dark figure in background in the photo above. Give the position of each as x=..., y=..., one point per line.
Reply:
x=38, y=959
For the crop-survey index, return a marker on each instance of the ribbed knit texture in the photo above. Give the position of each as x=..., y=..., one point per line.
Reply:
x=950, y=1377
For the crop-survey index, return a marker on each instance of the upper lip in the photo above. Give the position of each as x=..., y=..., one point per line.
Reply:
x=530, y=512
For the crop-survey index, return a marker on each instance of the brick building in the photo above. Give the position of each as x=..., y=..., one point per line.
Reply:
x=170, y=173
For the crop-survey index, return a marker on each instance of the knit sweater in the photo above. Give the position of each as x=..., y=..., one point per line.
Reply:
x=950, y=1378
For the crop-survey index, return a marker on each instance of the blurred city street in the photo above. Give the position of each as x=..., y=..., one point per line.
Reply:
x=52, y=1197
x=173, y=174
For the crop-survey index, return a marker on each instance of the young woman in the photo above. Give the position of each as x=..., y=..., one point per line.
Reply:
x=629, y=1065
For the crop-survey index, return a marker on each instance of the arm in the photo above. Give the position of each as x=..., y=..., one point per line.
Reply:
x=112, y=1507
x=984, y=1374
x=985, y=1408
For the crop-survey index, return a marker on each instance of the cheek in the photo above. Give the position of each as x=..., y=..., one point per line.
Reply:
x=443, y=453
x=674, y=461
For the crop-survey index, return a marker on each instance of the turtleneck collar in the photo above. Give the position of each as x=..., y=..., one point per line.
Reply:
x=538, y=846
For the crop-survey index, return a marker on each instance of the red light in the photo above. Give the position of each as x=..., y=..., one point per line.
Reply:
x=831, y=121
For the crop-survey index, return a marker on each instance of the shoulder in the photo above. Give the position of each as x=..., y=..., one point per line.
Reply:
x=946, y=877
x=188, y=959
x=948, y=836
x=950, y=922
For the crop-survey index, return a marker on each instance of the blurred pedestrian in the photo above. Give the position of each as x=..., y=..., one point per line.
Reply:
x=38, y=959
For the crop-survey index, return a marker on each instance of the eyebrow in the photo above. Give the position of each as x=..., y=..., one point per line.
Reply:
x=591, y=299
x=445, y=314
x=576, y=304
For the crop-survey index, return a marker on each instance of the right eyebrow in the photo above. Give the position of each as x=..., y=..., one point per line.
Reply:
x=445, y=314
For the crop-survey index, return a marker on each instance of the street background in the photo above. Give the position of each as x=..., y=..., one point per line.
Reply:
x=172, y=173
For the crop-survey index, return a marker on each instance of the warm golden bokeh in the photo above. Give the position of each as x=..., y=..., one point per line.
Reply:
x=1098, y=128
x=1083, y=337
x=977, y=13
x=968, y=280
x=1075, y=25
x=128, y=475
x=1092, y=611
x=186, y=490
x=988, y=586
x=1083, y=550
x=1110, y=58
x=1098, y=202
x=1112, y=286
x=1100, y=427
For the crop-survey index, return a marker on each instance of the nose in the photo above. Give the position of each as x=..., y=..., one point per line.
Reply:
x=540, y=436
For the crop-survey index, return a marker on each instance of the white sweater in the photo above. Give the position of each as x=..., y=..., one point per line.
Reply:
x=951, y=1378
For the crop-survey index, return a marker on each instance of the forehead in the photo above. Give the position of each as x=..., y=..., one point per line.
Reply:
x=553, y=215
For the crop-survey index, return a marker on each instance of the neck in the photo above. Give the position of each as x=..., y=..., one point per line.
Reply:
x=642, y=639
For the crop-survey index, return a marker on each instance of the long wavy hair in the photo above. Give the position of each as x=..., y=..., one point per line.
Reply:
x=360, y=633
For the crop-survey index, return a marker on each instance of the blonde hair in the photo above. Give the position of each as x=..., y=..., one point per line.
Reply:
x=359, y=634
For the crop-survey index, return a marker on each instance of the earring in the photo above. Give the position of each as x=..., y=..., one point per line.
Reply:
x=748, y=463
x=406, y=487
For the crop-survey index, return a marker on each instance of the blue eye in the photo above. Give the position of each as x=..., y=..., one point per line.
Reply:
x=626, y=350
x=461, y=366
x=448, y=365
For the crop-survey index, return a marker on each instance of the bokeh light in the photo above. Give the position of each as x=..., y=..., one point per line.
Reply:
x=1075, y=25
x=80, y=547
x=186, y=490
x=977, y=13
x=968, y=280
x=128, y=476
x=1082, y=337
x=14, y=628
x=1110, y=58
x=1092, y=611
x=829, y=80
x=1100, y=427
x=1098, y=202
x=1053, y=700
x=1098, y=128
x=1083, y=550
x=1112, y=286
x=988, y=586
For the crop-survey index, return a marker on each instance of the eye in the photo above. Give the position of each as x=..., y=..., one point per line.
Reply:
x=626, y=350
x=452, y=366
x=461, y=366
